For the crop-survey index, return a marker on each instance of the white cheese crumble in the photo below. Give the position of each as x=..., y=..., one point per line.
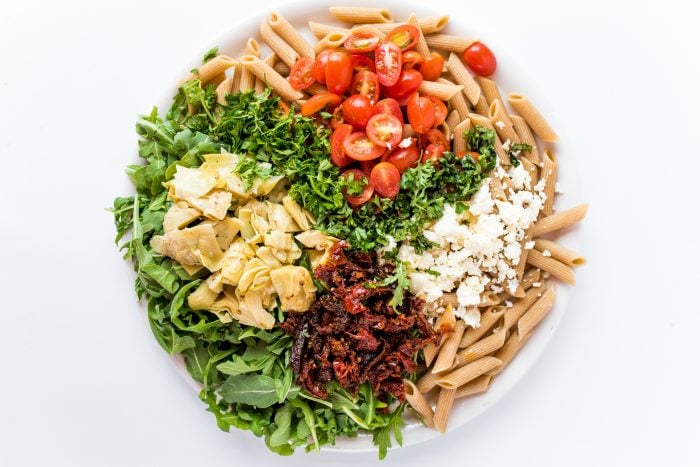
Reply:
x=557, y=188
x=546, y=253
x=500, y=124
x=508, y=304
x=529, y=245
x=406, y=142
x=537, y=284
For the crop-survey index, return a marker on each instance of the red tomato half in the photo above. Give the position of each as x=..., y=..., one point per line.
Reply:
x=411, y=59
x=409, y=81
x=480, y=59
x=338, y=156
x=389, y=106
x=405, y=37
x=357, y=110
x=300, y=75
x=359, y=147
x=440, y=110
x=358, y=200
x=318, y=71
x=361, y=62
x=404, y=158
x=433, y=137
x=386, y=179
x=362, y=42
x=367, y=84
x=433, y=153
x=431, y=69
x=320, y=101
x=338, y=72
x=385, y=130
x=421, y=113
x=387, y=59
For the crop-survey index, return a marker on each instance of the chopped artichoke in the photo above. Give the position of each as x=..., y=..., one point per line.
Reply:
x=214, y=205
x=299, y=214
x=252, y=304
x=280, y=219
x=178, y=216
x=295, y=288
x=263, y=187
x=189, y=246
x=317, y=240
x=252, y=269
x=225, y=230
x=189, y=184
x=215, y=282
x=266, y=254
x=279, y=240
x=202, y=298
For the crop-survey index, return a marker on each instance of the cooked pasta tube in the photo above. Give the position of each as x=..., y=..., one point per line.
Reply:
x=273, y=79
x=533, y=117
x=367, y=28
x=522, y=261
x=482, y=107
x=448, y=350
x=332, y=40
x=419, y=404
x=320, y=30
x=448, y=42
x=453, y=120
x=427, y=382
x=549, y=174
x=501, y=122
x=458, y=102
x=486, y=123
x=481, y=348
x=530, y=277
x=212, y=69
x=496, y=188
x=464, y=77
x=525, y=136
x=282, y=68
x=446, y=398
x=489, y=90
x=247, y=79
x=556, y=268
x=488, y=319
x=489, y=298
x=460, y=143
x=421, y=45
x=510, y=349
x=534, y=315
x=353, y=14
x=427, y=25
x=252, y=47
x=446, y=322
x=291, y=35
x=284, y=51
x=513, y=314
x=225, y=88
x=559, y=220
x=442, y=91
x=472, y=388
x=270, y=61
x=531, y=170
x=468, y=372
x=316, y=88
x=560, y=253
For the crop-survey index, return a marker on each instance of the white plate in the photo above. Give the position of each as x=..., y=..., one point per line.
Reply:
x=509, y=79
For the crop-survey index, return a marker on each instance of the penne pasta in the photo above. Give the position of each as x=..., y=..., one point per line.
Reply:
x=559, y=220
x=489, y=298
x=448, y=42
x=532, y=116
x=464, y=77
x=282, y=68
x=278, y=45
x=460, y=142
x=496, y=187
x=457, y=102
x=445, y=400
x=556, y=268
x=509, y=350
x=316, y=88
x=549, y=174
x=522, y=261
x=560, y=253
x=209, y=71
x=353, y=14
x=225, y=88
x=535, y=314
x=530, y=277
x=273, y=79
x=453, y=119
x=321, y=30
x=488, y=319
x=481, y=107
x=513, y=314
x=446, y=322
x=525, y=136
x=489, y=90
x=532, y=170
x=247, y=80
x=427, y=382
x=290, y=35
x=443, y=91
x=427, y=25
x=477, y=386
x=419, y=404
x=448, y=350
x=367, y=28
x=468, y=372
x=252, y=47
x=332, y=40
x=486, y=123
x=481, y=348
x=501, y=122
x=270, y=61
x=421, y=45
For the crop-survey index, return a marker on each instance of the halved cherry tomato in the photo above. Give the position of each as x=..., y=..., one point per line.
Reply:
x=404, y=158
x=362, y=42
x=338, y=72
x=463, y=154
x=409, y=81
x=431, y=69
x=385, y=130
x=387, y=59
x=361, y=62
x=357, y=110
x=411, y=59
x=368, y=190
x=367, y=166
x=386, y=179
x=480, y=59
x=389, y=106
x=338, y=156
x=319, y=101
x=367, y=84
x=359, y=147
x=284, y=108
x=300, y=75
x=433, y=137
x=337, y=118
x=318, y=71
x=433, y=153
x=421, y=113
x=440, y=110
x=405, y=37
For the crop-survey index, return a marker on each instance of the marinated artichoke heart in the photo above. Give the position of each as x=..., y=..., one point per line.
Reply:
x=295, y=288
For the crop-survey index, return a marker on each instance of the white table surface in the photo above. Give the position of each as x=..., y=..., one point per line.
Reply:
x=85, y=384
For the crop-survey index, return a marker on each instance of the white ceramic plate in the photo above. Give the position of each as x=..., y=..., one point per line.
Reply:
x=509, y=79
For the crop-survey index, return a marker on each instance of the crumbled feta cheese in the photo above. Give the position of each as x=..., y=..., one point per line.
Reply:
x=546, y=253
x=470, y=316
x=500, y=124
x=506, y=145
x=537, y=284
x=509, y=304
x=406, y=142
x=529, y=245
x=557, y=188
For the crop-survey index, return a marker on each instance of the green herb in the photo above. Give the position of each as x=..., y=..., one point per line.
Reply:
x=211, y=53
x=433, y=273
x=461, y=207
x=325, y=115
x=515, y=149
x=400, y=278
x=249, y=169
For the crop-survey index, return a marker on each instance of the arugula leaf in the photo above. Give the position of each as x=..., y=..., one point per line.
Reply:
x=403, y=283
x=257, y=390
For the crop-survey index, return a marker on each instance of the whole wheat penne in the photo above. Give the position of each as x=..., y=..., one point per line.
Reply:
x=497, y=192
x=482, y=107
x=525, y=136
x=453, y=120
x=225, y=88
x=474, y=387
x=427, y=25
x=421, y=45
x=481, y=348
x=533, y=117
x=488, y=319
x=489, y=89
x=486, y=123
x=534, y=315
x=549, y=174
x=445, y=130
x=273, y=79
x=458, y=102
x=353, y=14
x=320, y=29
x=291, y=35
x=522, y=261
x=282, y=68
x=440, y=90
x=460, y=143
x=560, y=253
x=284, y=51
x=510, y=349
x=247, y=79
x=449, y=42
x=464, y=77
x=332, y=40
x=532, y=170
x=531, y=276
x=513, y=314
x=448, y=350
x=501, y=122
x=417, y=401
x=489, y=298
x=446, y=398
x=367, y=28
x=552, y=266
x=316, y=88
x=270, y=61
x=252, y=47
x=559, y=220
x=210, y=70
x=446, y=322
x=427, y=382
x=468, y=372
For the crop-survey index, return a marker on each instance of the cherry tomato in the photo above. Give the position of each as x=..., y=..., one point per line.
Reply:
x=421, y=113
x=433, y=137
x=440, y=110
x=367, y=84
x=463, y=154
x=318, y=71
x=338, y=72
x=368, y=190
x=361, y=62
x=359, y=147
x=385, y=178
x=357, y=110
x=300, y=75
x=409, y=81
x=337, y=118
x=367, y=166
x=338, y=156
x=387, y=59
x=433, y=153
x=389, y=106
x=405, y=37
x=431, y=69
x=362, y=42
x=319, y=101
x=480, y=59
x=411, y=59
x=385, y=130
x=404, y=158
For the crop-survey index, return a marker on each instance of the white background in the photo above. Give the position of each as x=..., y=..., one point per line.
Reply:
x=85, y=384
